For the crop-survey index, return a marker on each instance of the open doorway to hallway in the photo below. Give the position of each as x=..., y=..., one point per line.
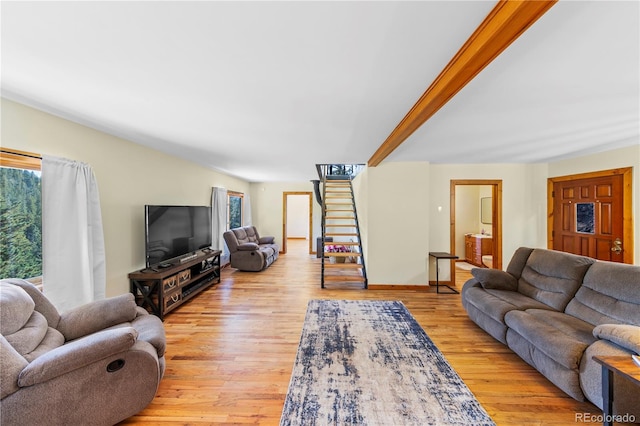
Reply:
x=476, y=224
x=297, y=220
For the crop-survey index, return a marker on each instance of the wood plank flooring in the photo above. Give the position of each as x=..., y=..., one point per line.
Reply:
x=231, y=349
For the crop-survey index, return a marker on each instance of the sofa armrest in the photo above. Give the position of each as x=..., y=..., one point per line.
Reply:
x=266, y=240
x=151, y=330
x=97, y=316
x=495, y=278
x=248, y=247
x=77, y=354
x=627, y=336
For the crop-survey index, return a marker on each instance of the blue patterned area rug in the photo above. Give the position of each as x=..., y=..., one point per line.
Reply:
x=370, y=363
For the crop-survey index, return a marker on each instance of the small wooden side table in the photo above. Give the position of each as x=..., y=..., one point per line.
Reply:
x=625, y=367
x=437, y=255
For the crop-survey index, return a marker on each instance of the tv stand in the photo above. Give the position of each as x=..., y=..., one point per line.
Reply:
x=162, y=290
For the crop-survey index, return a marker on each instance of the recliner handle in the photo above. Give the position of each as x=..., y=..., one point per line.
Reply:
x=115, y=365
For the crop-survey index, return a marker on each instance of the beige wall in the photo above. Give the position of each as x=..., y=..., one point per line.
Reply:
x=523, y=204
x=421, y=189
x=361, y=196
x=129, y=176
x=394, y=198
x=267, y=207
x=403, y=208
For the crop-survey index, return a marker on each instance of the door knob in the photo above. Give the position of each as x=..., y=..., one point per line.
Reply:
x=617, y=246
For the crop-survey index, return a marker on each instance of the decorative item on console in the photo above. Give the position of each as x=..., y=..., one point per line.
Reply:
x=338, y=248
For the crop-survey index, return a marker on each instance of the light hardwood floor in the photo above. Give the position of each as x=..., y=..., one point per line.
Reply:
x=231, y=349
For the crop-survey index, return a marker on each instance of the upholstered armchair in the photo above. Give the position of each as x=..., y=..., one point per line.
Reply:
x=93, y=365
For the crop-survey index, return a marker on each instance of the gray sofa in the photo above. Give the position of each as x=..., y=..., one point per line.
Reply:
x=248, y=251
x=93, y=365
x=556, y=311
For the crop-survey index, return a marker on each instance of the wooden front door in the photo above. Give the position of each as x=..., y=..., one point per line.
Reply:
x=589, y=218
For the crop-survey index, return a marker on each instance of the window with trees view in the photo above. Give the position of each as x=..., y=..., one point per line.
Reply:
x=20, y=222
x=235, y=209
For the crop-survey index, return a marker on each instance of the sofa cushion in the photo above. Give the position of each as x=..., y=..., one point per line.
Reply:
x=561, y=337
x=567, y=379
x=267, y=250
x=16, y=308
x=518, y=261
x=246, y=234
x=608, y=295
x=241, y=235
x=43, y=305
x=553, y=277
x=52, y=339
x=30, y=335
x=496, y=329
x=496, y=303
x=35, y=338
x=495, y=278
x=252, y=234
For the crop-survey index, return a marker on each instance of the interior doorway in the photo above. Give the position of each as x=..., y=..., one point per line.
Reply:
x=297, y=217
x=482, y=225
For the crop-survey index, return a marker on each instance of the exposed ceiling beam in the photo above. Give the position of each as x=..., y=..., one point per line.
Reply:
x=504, y=24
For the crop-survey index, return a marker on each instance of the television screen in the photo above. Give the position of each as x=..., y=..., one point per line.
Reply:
x=174, y=231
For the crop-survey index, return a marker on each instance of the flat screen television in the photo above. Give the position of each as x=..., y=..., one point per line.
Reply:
x=175, y=231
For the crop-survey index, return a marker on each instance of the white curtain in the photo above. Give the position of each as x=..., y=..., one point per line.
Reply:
x=219, y=222
x=246, y=217
x=73, y=254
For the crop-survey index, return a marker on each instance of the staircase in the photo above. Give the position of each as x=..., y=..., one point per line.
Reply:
x=341, y=232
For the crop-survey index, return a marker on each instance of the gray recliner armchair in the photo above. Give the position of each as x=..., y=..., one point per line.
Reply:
x=93, y=365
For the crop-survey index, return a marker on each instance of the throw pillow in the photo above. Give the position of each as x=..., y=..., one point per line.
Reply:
x=495, y=278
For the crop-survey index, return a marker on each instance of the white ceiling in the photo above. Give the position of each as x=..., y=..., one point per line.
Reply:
x=265, y=90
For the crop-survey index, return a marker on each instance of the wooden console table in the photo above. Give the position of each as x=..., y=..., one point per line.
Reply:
x=437, y=255
x=625, y=367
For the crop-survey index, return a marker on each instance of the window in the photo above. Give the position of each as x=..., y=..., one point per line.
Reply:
x=234, y=204
x=20, y=216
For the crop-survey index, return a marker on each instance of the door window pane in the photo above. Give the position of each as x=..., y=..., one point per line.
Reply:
x=585, y=218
